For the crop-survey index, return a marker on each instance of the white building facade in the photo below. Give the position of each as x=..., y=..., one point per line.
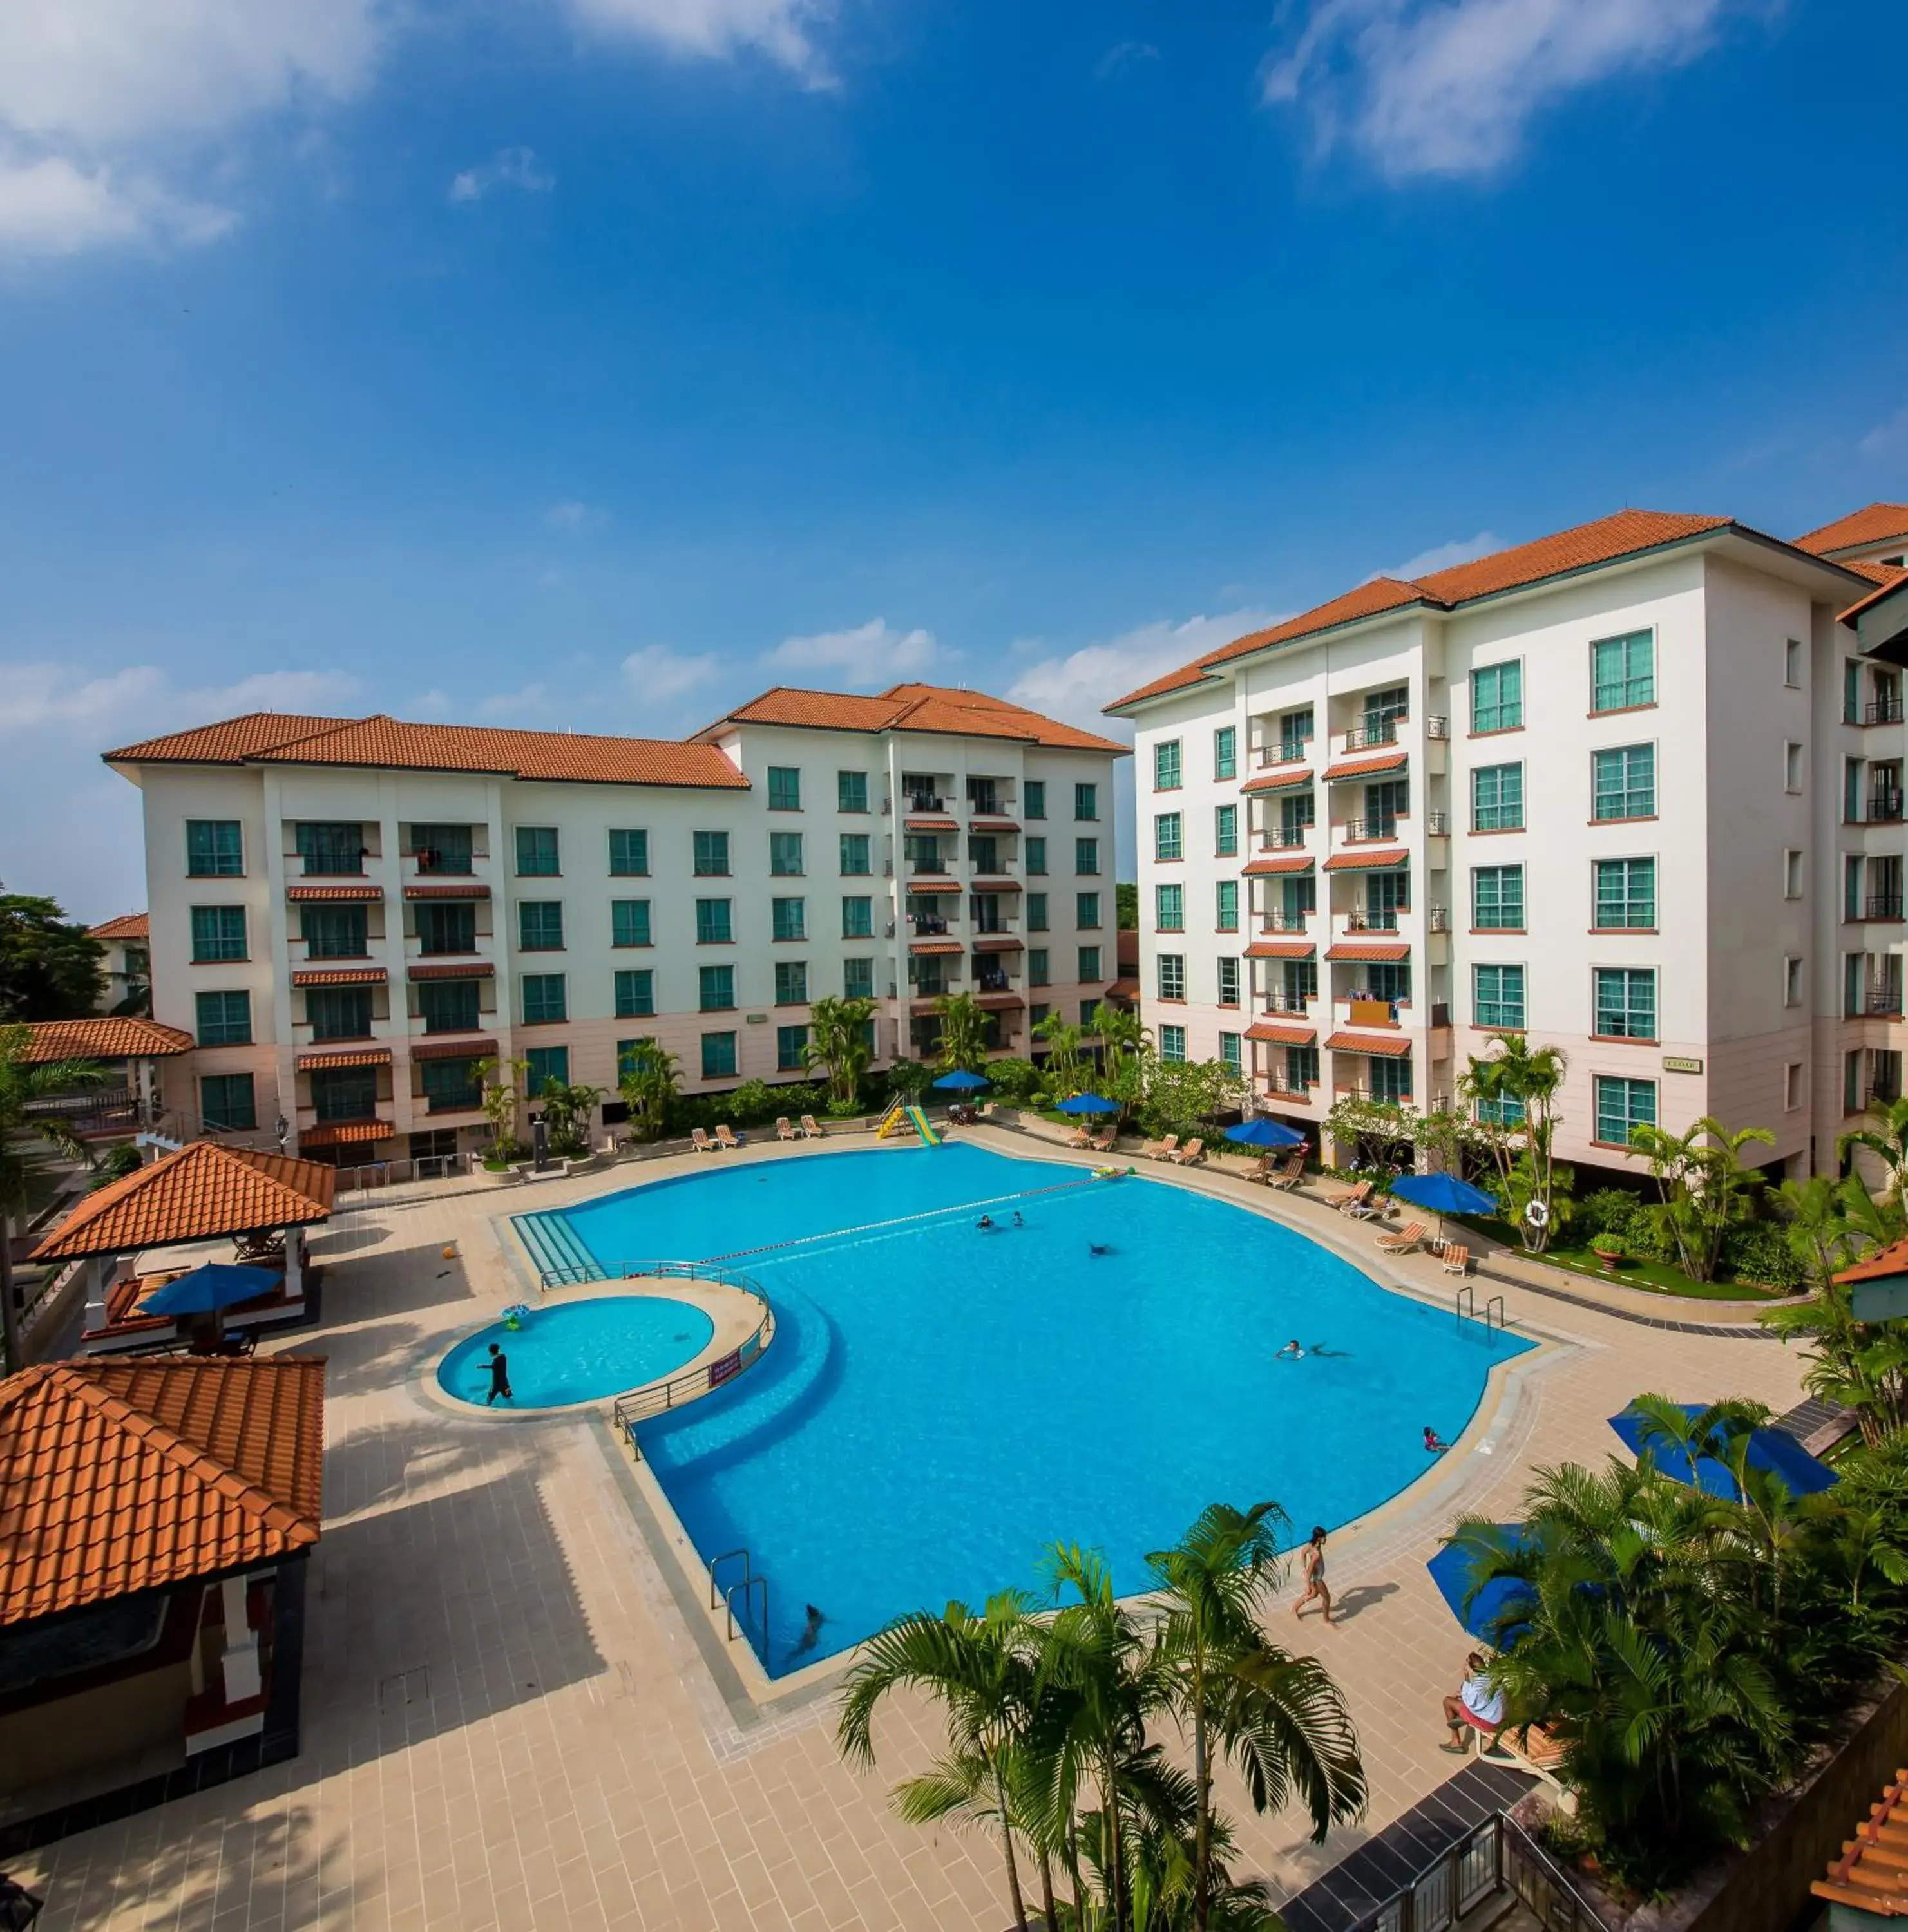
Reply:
x=1596, y=789
x=350, y=915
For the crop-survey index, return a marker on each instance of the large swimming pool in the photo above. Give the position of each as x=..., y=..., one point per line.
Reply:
x=941, y=1402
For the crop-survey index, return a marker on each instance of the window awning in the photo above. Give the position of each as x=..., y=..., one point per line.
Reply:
x=346, y=1133
x=1378, y=762
x=999, y=1003
x=1378, y=859
x=453, y=1049
x=996, y=942
x=357, y=1056
x=1278, y=1035
x=1286, y=777
x=1381, y=951
x=334, y=895
x=947, y=946
x=1282, y=949
x=1386, y=1045
x=995, y=885
x=1280, y=861
x=916, y=821
x=930, y=886
x=340, y=976
x=460, y=969
x=470, y=888
x=992, y=821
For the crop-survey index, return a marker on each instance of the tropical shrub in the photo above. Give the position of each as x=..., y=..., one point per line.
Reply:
x=1016, y=1080
x=1188, y=1097
x=1761, y=1253
x=755, y=1101
x=841, y=1043
x=1707, y=1191
x=116, y=1164
x=963, y=1035
x=909, y=1079
x=646, y=1080
x=1603, y=1210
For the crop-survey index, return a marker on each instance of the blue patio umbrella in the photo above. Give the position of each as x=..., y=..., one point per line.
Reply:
x=1259, y=1132
x=1443, y=1194
x=1454, y=1568
x=1769, y=1449
x=1088, y=1103
x=205, y=1290
x=962, y=1081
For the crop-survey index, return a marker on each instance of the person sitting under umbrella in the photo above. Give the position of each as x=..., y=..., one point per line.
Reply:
x=1478, y=1706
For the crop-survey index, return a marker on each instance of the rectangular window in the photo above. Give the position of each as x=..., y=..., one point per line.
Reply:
x=1791, y=982
x=1225, y=751
x=1621, y=1104
x=1168, y=836
x=629, y=854
x=334, y=932
x=1228, y=981
x=1089, y=963
x=1791, y=874
x=856, y=861
x=1225, y=831
x=785, y=855
x=446, y=928
x=1036, y=1013
x=1791, y=766
x=1086, y=801
x=224, y=1019
x=219, y=932
x=1086, y=910
x=1225, y=905
x=1036, y=790
x=1036, y=856
x=1173, y=1045
x=1036, y=912
x=715, y=922
x=1295, y=733
x=547, y=1063
x=1086, y=856
x=784, y=788
x=1851, y=888
x=851, y=791
x=792, y=983
x=1625, y=782
x=450, y=1087
x=226, y=1101
x=1851, y=691
x=628, y=922
x=1172, y=976
x=1792, y=663
x=790, y=918
x=718, y=1056
x=791, y=1049
x=443, y=848
x=1039, y=973
x=711, y=850
x=1391, y=1079
x=1497, y=997
x=1623, y=671
x=1229, y=1051
x=1166, y=765
x=1792, y=1086
x=344, y=1094
x=858, y=978
x=716, y=988
x=1496, y=696
x=336, y=850
x=338, y=1012
x=858, y=919
x=546, y=998
x=1625, y=1002
x=1169, y=908
x=450, y=1005
x=540, y=926
x=635, y=993
x=538, y=856
x=1497, y=899
x=1626, y=895
x=214, y=849
x=1497, y=798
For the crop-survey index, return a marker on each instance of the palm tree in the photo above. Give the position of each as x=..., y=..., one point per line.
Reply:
x=1831, y=1223
x=646, y=1078
x=1065, y=1055
x=963, y=1041
x=1280, y=1718
x=566, y=1111
x=1886, y=1137
x=1707, y=1190
x=1520, y=1083
x=26, y=1090
x=976, y=1667
x=1125, y=1046
x=840, y=1038
x=502, y=1079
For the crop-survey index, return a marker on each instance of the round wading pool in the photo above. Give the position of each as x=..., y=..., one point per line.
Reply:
x=580, y=1351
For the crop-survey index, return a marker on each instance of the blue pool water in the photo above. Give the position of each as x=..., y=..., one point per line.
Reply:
x=939, y=1403
x=581, y=1351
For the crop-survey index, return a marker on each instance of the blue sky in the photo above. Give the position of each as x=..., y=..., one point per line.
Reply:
x=598, y=362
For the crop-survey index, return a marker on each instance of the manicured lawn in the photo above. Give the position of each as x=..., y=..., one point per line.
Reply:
x=1653, y=1277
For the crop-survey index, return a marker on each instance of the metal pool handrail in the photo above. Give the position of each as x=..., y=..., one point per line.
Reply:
x=653, y=1398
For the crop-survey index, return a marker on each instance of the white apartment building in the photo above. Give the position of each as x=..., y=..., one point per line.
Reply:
x=349, y=914
x=1633, y=790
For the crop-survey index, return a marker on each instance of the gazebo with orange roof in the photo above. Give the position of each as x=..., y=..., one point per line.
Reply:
x=136, y=1045
x=1879, y=1286
x=203, y=1191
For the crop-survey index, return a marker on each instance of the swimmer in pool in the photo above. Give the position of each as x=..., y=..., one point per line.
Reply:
x=1018, y=1221
x=1433, y=1441
x=811, y=1633
x=1098, y=1248
x=1291, y=1352
x=984, y=1225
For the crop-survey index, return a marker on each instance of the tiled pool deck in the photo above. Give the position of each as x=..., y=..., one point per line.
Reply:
x=509, y=1722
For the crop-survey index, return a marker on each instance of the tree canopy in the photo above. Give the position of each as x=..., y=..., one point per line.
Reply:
x=51, y=967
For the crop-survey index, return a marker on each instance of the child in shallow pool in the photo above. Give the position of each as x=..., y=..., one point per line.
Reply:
x=1433, y=1441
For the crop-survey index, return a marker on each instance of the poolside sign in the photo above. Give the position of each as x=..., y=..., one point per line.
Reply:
x=719, y=1372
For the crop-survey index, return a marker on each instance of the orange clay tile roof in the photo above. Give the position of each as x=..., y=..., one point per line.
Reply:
x=121, y=1477
x=470, y=889
x=927, y=946
x=1360, y=768
x=1874, y=524
x=340, y=976
x=1350, y=948
x=931, y=821
x=453, y=1049
x=1124, y=989
x=1892, y=1260
x=127, y=925
x=350, y=1056
x=389, y=744
x=1282, y=780
x=1390, y=1046
x=197, y=1194
x=929, y=886
x=1608, y=540
x=458, y=969
x=1379, y=858
x=914, y=707
x=1282, y=949
x=335, y=895
x=1277, y=862
x=346, y=1133
x=111, y=1036
x=1281, y=1036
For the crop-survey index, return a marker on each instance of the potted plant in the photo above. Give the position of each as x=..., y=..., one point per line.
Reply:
x=1608, y=1250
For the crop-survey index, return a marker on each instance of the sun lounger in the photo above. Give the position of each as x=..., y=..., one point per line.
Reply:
x=1291, y=1174
x=1080, y=1137
x=725, y=1135
x=1105, y=1143
x=1350, y=1203
x=1194, y=1150
x=700, y=1142
x=1261, y=1170
x=810, y=1129
x=1165, y=1149
x=1403, y=1240
x=785, y=1129
x=1455, y=1259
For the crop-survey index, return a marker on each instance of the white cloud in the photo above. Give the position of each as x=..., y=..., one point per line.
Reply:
x=144, y=699
x=717, y=29
x=1074, y=687
x=1891, y=434
x=572, y=515
x=873, y=653
x=1442, y=556
x=1447, y=87
x=508, y=167
x=52, y=207
x=659, y=676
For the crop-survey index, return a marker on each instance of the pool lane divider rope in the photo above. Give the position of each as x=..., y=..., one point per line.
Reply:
x=925, y=1214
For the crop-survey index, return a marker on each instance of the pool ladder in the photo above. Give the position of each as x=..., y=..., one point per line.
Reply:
x=1465, y=1302
x=748, y=1583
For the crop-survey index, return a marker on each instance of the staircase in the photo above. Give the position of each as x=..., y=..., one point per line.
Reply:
x=555, y=1250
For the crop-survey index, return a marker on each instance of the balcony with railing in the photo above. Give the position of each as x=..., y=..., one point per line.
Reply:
x=1882, y=711
x=1281, y=751
x=1279, y=1004
x=1374, y=734
x=1369, y=831
x=1284, y=838
x=1882, y=1000
x=926, y=926
x=1279, y=923
x=1375, y=918
x=1884, y=805
x=1882, y=906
